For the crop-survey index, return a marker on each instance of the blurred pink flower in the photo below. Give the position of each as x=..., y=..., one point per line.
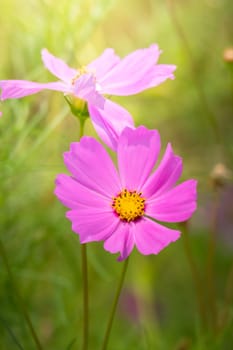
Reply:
x=108, y=74
x=120, y=208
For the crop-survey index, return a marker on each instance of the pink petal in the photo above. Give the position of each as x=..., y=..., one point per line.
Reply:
x=91, y=165
x=21, y=88
x=137, y=60
x=57, y=66
x=165, y=176
x=153, y=77
x=102, y=64
x=74, y=195
x=120, y=241
x=110, y=122
x=132, y=74
x=140, y=81
x=151, y=238
x=137, y=154
x=158, y=75
x=176, y=205
x=92, y=225
x=85, y=88
x=0, y=114
x=92, y=216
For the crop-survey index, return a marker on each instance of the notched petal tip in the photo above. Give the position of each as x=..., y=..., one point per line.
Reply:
x=151, y=237
x=172, y=67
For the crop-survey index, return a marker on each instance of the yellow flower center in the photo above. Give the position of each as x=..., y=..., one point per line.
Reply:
x=80, y=71
x=129, y=205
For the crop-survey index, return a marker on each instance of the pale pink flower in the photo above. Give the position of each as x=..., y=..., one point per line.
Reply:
x=124, y=207
x=108, y=74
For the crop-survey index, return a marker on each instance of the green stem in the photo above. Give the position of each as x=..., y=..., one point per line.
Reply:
x=210, y=278
x=20, y=301
x=229, y=288
x=81, y=127
x=84, y=271
x=85, y=296
x=79, y=110
x=114, y=306
x=228, y=299
x=195, y=275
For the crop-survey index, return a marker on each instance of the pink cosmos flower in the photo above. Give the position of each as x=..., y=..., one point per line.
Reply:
x=108, y=74
x=123, y=207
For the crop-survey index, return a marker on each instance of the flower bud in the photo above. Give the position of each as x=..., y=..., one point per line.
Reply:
x=228, y=55
x=220, y=175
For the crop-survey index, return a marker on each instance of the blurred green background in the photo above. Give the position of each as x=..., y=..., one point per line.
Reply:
x=159, y=304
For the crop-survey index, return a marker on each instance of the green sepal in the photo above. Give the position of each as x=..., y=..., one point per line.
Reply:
x=78, y=107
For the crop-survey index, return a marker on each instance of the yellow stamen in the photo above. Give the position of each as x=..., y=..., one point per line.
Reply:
x=129, y=205
x=80, y=71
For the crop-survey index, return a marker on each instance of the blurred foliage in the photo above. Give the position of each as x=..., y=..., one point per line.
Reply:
x=158, y=307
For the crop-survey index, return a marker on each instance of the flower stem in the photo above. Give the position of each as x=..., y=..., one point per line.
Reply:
x=114, y=306
x=20, y=301
x=81, y=127
x=228, y=299
x=210, y=276
x=85, y=297
x=195, y=275
x=84, y=271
